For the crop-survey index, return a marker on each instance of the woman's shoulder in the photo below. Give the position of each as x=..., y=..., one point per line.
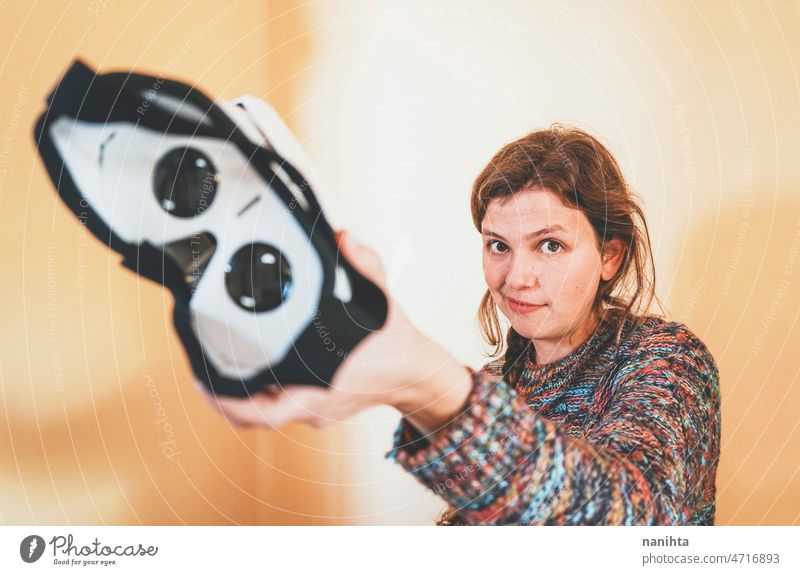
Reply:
x=654, y=339
x=494, y=367
x=646, y=342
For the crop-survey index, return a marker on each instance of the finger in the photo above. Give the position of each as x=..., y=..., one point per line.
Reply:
x=363, y=258
x=221, y=404
x=310, y=404
x=264, y=409
x=205, y=393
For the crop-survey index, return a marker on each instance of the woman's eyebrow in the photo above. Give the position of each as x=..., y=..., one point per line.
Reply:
x=542, y=232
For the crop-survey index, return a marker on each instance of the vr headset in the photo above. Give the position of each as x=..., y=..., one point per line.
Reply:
x=215, y=201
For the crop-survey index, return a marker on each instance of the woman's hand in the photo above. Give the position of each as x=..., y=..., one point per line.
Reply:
x=397, y=365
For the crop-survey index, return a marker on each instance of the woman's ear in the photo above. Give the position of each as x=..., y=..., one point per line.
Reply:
x=613, y=255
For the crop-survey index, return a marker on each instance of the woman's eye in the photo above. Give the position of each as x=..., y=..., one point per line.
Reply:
x=551, y=247
x=497, y=247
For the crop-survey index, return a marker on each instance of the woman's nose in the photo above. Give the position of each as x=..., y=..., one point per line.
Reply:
x=522, y=274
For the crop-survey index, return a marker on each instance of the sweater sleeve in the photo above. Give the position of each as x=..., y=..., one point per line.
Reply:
x=641, y=460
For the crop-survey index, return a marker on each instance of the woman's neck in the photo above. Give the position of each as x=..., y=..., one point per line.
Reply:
x=549, y=351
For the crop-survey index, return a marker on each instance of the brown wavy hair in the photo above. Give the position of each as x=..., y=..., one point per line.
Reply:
x=582, y=172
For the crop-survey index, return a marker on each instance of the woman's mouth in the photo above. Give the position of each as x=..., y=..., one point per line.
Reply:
x=522, y=307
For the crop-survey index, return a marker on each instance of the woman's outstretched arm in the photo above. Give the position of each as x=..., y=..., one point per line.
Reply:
x=397, y=365
x=643, y=461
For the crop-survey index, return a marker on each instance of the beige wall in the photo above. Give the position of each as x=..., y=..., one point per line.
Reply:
x=96, y=388
x=400, y=105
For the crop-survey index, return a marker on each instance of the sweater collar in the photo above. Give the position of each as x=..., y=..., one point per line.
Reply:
x=564, y=369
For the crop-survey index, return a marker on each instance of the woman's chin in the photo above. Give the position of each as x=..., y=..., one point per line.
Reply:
x=530, y=329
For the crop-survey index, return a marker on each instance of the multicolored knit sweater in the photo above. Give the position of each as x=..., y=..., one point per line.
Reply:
x=604, y=436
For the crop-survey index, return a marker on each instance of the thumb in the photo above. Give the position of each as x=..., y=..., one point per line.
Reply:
x=364, y=259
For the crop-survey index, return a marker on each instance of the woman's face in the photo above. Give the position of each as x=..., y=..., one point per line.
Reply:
x=542, y=253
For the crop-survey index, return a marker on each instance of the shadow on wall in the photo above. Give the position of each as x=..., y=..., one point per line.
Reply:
x=738, y=287
x=132, y=457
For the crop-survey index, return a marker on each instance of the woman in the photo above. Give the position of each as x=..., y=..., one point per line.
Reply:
x=595, y=414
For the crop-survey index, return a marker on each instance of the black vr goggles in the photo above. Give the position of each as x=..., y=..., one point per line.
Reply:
x=215, y=201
